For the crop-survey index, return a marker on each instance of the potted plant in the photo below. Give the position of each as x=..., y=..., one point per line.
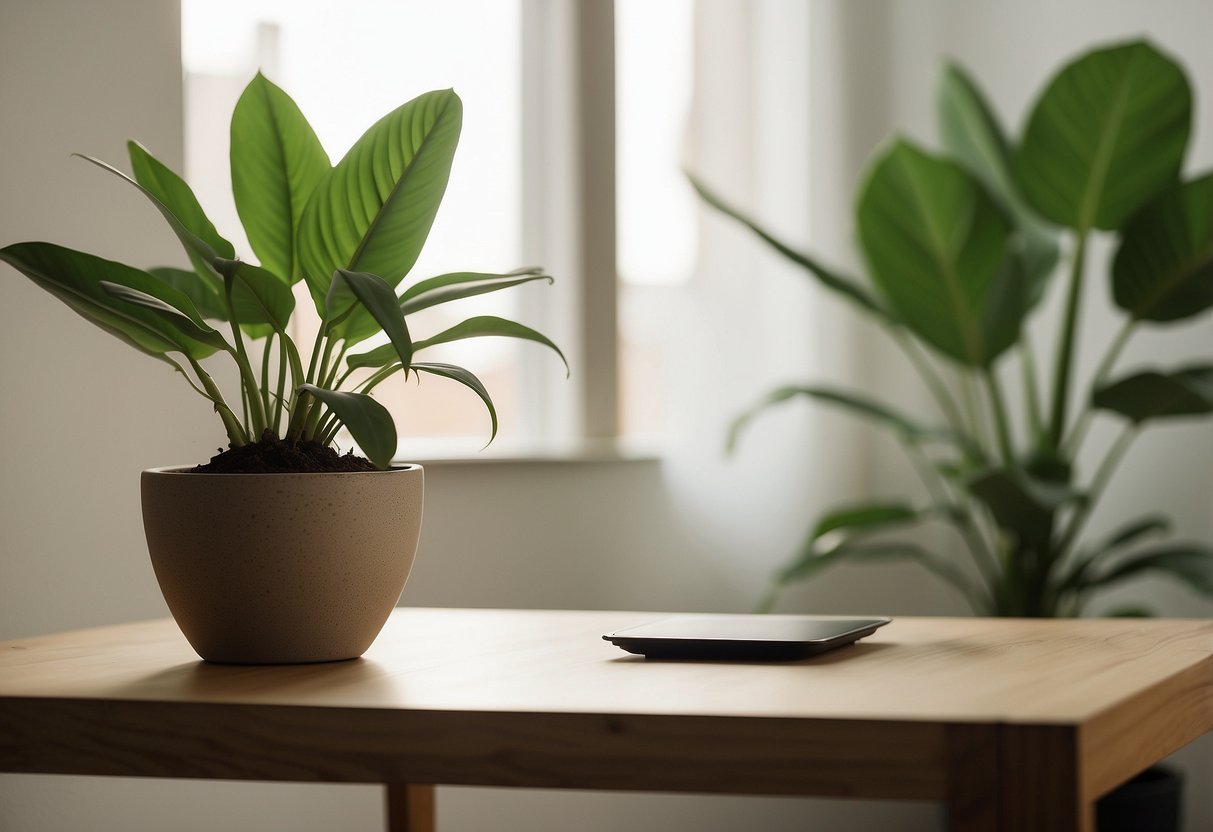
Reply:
x=280, y=549
x=960, y=247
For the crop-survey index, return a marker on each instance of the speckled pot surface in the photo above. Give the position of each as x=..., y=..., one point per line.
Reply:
x=282, y=568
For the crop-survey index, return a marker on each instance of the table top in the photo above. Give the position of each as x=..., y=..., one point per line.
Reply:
x=939, y=670
x=937, y=708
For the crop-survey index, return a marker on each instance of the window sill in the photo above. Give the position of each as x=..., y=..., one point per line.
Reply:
x=462, y=451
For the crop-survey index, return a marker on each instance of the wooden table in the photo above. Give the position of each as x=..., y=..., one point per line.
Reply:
x=1017, y=725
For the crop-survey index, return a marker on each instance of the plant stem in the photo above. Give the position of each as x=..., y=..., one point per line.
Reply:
x=939, y=391
x=380, y=375
x=265, y=380
x=973, y=411
x=312, y=425
x=1032, y=399
x=1101, y=376
x=998, y=405
x=283, y=366
x=330, y=379
x=938, y=489
x=248, y=379
x=299, y=414
x=235, y=433
x=1065, y=353
x=1098, y=484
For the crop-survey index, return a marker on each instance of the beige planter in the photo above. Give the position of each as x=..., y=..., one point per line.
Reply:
x=282, y=568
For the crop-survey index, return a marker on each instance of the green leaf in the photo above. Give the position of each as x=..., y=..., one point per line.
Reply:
x=366, y=419
x=190, y=325
x=206, y=295
x=1163, y=270
x=885, y=416
x=379, y=299
x=1191, y=563
x=1159, y=395
x=939, y=249
x=1076, y=576
x=869, y=518
x=811, y=560
x=971, y=134
x=467, y=380
x=75, y=278
x=171, y=191
x=1106, y=135
x=1021, y=505
x=276, y=163
x=845, y=286
x=202, y=254
x=373, y=211
x=482, y=326
x=458, y=285
x=260, y=298
x=1135, y=531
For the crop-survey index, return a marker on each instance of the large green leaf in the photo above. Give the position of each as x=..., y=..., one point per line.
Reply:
x=171, y=191
x=276, y=163
x=938, y=248
x=845, y=286
x=189, y=325
x=1191, y=563
x=1158, y=395
x=366, y=419
x=373, y=211
x=161, y=182
x=206, y=295
x=903, y=426
x=467, y=380
x=380, y=301
x=971, y=134
x=444, y=288
x=261, y=299
x=1106, y=135
x=1163, y=270
x=478, y=327
x=76, y=277
x=202, y=254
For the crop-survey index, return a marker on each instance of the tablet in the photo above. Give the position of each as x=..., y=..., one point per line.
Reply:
x=742, y=637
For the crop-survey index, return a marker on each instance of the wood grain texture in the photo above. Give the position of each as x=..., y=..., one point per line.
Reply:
x=974, y=760
x=627, y=752
x=1140, y=730
x=934, y=670
x=1009, y=721
x=1040, y=781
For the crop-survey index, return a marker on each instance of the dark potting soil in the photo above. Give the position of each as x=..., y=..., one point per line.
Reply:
x=271, y=455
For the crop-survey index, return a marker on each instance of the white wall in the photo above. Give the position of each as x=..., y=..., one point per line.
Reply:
x=81, y=415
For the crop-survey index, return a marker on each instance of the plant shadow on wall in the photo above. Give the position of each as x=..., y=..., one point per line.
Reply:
x=960, y=249
x=280, y=550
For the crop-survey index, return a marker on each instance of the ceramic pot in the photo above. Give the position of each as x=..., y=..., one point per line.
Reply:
x=282, y=568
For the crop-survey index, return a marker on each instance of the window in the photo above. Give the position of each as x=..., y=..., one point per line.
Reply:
x=532, y=180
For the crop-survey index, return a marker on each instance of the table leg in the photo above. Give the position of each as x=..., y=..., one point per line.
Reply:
x=1016, y=779
x=410, y=808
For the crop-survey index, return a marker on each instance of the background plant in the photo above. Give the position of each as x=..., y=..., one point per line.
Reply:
x=351, y=231
x=960, y=249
